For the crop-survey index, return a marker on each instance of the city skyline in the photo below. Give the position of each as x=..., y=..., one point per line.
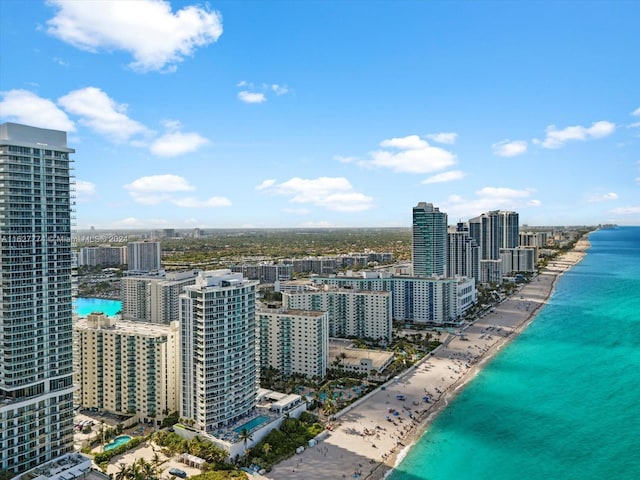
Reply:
x=281, y=115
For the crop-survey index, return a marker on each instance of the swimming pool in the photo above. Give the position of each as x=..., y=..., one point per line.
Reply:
x=117, y=442
x=84, y=306
x=252, y=424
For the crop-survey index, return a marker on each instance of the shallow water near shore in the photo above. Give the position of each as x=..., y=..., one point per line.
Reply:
x=561, y=401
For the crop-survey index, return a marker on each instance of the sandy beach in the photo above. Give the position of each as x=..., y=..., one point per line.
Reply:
x=369, y=437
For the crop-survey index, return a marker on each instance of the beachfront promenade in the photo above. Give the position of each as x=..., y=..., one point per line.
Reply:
x=367, y=438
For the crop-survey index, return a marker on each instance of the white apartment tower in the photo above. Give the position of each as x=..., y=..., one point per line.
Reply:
x=294, y=341
x=429, y=241
x=143, y=256
x=126, y=367
x=219, y=358
x=36, y=364
x=494, y=230
x=154, y=298
x=352, y=312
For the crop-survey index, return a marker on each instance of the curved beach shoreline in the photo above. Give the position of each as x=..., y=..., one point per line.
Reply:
x=368, y=439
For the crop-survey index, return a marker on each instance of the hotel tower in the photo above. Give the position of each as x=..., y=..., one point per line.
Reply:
x=36, y=377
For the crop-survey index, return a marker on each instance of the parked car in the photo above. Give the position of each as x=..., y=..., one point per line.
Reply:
x=178, y=473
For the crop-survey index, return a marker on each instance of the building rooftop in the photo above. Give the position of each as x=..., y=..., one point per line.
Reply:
x=127, y=327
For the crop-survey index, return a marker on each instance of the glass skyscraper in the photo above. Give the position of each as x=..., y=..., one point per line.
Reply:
x=429, y=241
x=36, y=377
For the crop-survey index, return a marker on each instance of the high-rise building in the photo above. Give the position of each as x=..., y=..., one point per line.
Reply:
x=219, y=358
x=126, y=367
x=494, y=230
x=429, y=241
x=104, y=255
x=294, y=341
x=154, y=298
x=36, y=337
x=143, y=256
x=463, y=253
x=352, y=313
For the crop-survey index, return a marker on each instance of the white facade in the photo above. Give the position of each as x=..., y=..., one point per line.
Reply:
x=294, y=341
x=463, y=253
x=126, y=367
x=144, y=256
x=352, y=313
x=155, y=298
x=104, y=255
x=219, y=358
x=36, y=364
x=422, y=300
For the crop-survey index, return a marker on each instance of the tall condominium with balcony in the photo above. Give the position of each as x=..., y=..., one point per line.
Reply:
x=429, y=241
x=36, y=376
x=126, y=367
x=143, y=256
x=219, y=358
x=294, y=341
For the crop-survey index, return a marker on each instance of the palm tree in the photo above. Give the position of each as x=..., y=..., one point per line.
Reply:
x=123, y=473
x=266, y=448
x=245, y=436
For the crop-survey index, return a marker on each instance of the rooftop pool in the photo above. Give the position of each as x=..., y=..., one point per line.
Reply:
x=252, y=424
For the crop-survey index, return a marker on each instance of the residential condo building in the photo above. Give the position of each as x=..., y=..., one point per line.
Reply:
x=352, y=312
x=36, y=364
x=126, y=368
x=144, y=256
x=219, y=358
x=294, y=341
x=429, y=241
x=154, y=298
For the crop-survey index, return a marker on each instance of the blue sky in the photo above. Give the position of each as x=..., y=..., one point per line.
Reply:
x=341, y=114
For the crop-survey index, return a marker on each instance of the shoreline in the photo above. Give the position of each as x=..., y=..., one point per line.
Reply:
x=368, y=441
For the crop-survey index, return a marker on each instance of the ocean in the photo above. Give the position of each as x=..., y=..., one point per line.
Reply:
x=562, y=401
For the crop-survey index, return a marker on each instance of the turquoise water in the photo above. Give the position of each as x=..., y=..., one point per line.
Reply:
x=117, y=442
x=85, y=306
x=252, y=424
x=562, y=400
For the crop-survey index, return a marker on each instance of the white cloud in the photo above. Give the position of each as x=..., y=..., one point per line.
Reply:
x=444, y=177
x=279, y=89
x=638, y=180
x=84, y=190
x=157, y=38
x=191, y=202
x=137, y=222
x=490, y=198
x=508, y=148
x=172, y=144
x=23, y=106
x=636, y=112
x=332, y=193
x=156, y=189
x=102, y=114
x=266, y=184
x=410, y=154
x=629, y=210
x=604, y=197
x=634, y=125
x=251, y=97
x=444, y=137
x=557, y=138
